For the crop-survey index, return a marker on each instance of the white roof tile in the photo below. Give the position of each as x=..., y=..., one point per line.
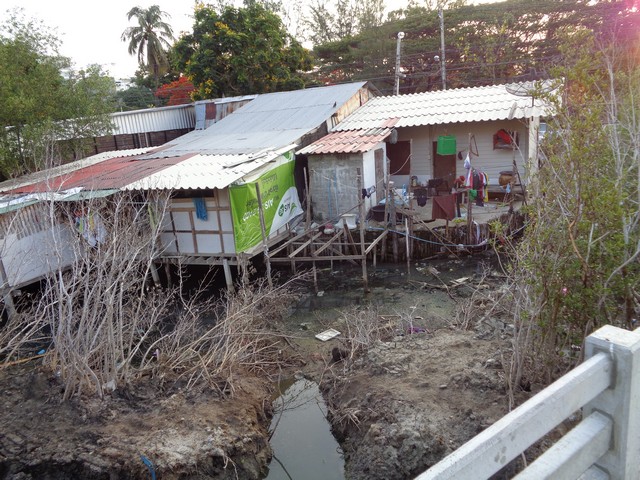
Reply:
x=206, y=171
x=495, y=102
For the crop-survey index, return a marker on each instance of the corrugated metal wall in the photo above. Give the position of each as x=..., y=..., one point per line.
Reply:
x=155, y=120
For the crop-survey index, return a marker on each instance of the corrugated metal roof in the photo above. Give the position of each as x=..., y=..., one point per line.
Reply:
x=348, y=141
x=113, y=173
x=206, y=171
x=495, y=102
x=42, y=176
x=176, y=117
x=228, y=150
x=271, y=121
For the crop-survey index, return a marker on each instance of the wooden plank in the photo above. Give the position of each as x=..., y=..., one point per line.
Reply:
x=290, y=241
x=328, y=242
x=304, y=245
x=317, y=259
x=375, y=242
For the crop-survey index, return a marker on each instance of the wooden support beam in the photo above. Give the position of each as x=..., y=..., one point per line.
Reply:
x=328, y=242
x=365, y=276
x=317, y=259
x=227, y=275
x=304, y=245
x=290, y=241
x=375, y=242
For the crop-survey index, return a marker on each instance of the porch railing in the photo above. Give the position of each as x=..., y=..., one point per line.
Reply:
x=604, y=445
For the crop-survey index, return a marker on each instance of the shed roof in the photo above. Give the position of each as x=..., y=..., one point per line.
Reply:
x=271, y=121
x=350, y=141
x=237, y=145
x=112, y=173
x=43, y=176
x=476, y=104
x=205, y=171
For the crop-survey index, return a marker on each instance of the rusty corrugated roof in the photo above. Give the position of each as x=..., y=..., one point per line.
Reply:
x=112, y=173
x=350, y=141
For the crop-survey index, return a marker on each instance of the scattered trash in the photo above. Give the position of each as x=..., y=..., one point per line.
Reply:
x=415, y=329
x=327, y=334
x=320, y=293
x=433, y=271
x=460, y=281
x=149, y=465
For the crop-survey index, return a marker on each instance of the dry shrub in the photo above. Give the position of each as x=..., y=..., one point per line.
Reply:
x=364, y=327
x=241, y=339
x=105, y=328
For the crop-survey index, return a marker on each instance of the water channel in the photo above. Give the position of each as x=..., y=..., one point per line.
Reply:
x=302, y=443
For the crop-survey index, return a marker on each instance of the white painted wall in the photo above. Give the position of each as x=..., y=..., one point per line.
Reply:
x=491, y=161
x=185, y=234
x=29, y=258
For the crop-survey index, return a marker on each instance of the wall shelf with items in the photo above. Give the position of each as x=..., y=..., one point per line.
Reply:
x=505, y=140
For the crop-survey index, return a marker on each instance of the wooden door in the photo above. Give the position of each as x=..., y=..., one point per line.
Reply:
x=444, y=166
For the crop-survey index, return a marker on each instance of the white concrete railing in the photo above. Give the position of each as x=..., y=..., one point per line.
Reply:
x=604, y=445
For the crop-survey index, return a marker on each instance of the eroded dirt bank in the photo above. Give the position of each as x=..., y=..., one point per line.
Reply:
x=421, y=391
x=191, y=435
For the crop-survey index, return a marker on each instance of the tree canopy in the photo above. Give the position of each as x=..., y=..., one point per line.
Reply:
x=240, y=51
x=39, y=94
x=484, y=44
x=150, y=39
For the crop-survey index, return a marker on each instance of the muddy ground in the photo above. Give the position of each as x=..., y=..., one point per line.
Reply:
x=423, y=390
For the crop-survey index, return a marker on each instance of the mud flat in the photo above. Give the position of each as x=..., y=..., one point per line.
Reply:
x=407, y=401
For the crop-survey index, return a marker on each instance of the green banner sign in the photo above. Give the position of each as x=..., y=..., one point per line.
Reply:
x=280, y=204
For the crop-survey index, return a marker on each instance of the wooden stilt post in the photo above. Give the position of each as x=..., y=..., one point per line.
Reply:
x=265, y=242
x=375, y=257
x=6, y=295
x=396, y=256
x=308, y=224
x=167, y=272
x=227, y=274
x=154, y=274
x=469, y=219
x=365, y=277
x=406, y=229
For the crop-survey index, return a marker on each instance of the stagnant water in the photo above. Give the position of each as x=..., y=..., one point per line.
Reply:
x=302, y=443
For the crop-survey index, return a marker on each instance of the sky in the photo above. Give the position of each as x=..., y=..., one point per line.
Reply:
x=90, y=30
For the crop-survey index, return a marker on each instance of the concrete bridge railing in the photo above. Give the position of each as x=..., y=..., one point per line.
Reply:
x=604, y=445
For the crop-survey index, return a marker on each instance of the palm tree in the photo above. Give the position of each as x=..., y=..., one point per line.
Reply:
x=150, y=38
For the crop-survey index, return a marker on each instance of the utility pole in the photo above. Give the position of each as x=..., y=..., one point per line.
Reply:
x=442, y=64
x=398, y=74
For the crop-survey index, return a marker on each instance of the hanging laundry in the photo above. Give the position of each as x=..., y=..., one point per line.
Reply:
x=446, y=145
x=421, y=196
x=201, y=208
x=467, y=166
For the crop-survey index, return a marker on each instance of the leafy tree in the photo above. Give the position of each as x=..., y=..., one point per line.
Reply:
x=150, y=39
x=486, y=43
x=343, y=19
x=135, y=97
x=577, y=266
x=39, y=96
x=177, y=92
x=240, y=51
